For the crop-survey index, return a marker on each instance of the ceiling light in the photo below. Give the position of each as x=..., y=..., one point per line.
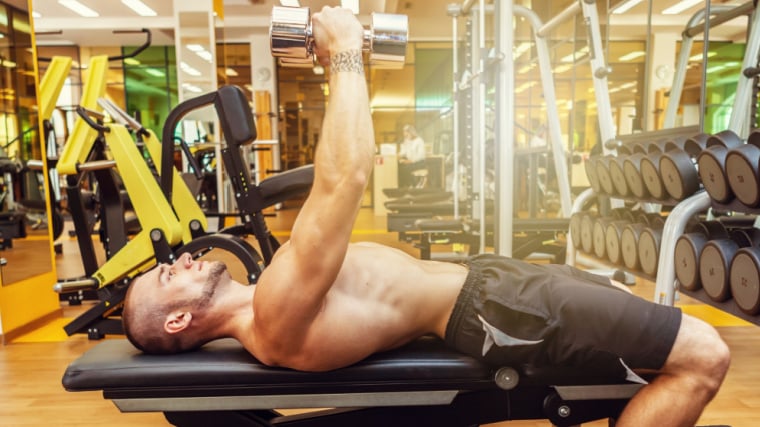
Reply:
x=625, y=6
x=524, y=86
x=525, y=68
x=139, y=7
x=698, y=57
x=229, y=72
x=155, y=72
x=36, y=15
x=79, y=8
x=131, y=61
x=191, y=88
x=633, y=55
x=318, y=70
x=681, y=6
x=520, y=49
x=196, y=47
x=353, y=5
x=290, y=3
x=562, y=68
x=716, y=68
x=189, y=70
x=575, y=55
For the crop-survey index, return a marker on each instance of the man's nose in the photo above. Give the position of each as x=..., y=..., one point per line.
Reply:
x=184, y=260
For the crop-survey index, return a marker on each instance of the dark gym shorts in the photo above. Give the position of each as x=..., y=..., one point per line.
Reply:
x=513, y=313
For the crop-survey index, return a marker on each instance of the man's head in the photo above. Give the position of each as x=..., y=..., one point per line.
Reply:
x=410, y=132
x=164, y=307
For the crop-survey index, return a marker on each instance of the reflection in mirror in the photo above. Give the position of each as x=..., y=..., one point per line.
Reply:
x=23, y=220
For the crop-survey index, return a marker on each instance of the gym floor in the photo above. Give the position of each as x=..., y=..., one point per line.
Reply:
x=31, y=366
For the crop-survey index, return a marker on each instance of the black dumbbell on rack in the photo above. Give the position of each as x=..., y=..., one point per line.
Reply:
x=743, y=171
x=712, y=165
x=689, y=248
x=718, y=255
x=678, y=166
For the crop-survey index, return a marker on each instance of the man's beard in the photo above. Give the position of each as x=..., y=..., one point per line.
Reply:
x=217, y=269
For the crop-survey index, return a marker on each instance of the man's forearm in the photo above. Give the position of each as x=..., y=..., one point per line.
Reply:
x=347, y=141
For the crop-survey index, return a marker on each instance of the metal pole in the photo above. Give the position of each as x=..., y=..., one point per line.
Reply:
x=550, y=99
x=739, y=122
x=723, y=14
x=482, y=129
x=505, y=101
x=454, y=11
x=687, y=41
x=563, y=16
x=599, y=70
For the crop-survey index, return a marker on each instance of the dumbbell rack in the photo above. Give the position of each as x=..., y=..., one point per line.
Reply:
x=648, y=204
x=675, y=225
x=666, y=283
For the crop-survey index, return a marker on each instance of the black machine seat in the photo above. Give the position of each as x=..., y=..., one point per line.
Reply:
x=286, y=185
x=422, y=383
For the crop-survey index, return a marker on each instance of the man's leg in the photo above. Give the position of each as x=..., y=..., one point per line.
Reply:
x=689, y=379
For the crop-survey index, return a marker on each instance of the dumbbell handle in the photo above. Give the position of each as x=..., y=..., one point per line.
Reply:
x=291, y=37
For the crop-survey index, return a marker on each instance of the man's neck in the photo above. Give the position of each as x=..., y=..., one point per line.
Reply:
x=233, y=311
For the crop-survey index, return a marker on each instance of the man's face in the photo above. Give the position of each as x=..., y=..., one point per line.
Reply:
x=185, y=280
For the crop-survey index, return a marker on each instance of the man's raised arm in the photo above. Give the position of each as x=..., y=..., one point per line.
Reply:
x=291, y=290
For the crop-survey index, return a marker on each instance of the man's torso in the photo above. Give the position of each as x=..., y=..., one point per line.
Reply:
x=381, y=299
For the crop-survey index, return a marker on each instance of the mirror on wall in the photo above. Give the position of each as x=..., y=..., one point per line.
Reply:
x=24, y=233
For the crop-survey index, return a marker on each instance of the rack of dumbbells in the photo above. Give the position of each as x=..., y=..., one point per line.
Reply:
x=717, y=259
x=719, y=263
x=651, y=173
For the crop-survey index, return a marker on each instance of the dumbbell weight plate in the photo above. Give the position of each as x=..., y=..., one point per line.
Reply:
x=686, y=258
x=629, y=240
x=650, y=173
x=387, y=40
x=575, y=229
x=649, y=250
x=612, y=238
x=593, y=179
x=632, y=172
x=711, y=164
x=587, y=233
x=603, y=174
x=714, y=264
x=600, y=244
x=679, y=174
x=618, y=176
x=290, y=32
x=743, y=175
x=745, y=280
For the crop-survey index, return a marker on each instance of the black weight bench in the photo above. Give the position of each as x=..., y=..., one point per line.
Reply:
x=421, y=384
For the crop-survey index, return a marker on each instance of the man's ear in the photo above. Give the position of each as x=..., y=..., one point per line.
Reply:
x=177, y=321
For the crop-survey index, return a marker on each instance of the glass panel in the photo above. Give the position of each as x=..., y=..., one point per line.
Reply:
x=23, y=220
x=151, y=89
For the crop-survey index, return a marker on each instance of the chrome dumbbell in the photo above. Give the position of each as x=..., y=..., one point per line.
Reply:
x=292, y=41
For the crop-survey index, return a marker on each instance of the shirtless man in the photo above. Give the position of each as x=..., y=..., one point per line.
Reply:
x=324, y=303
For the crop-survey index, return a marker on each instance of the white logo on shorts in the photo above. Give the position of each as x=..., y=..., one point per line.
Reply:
x=495, y=336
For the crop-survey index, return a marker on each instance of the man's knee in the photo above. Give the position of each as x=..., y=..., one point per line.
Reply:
x=700, y=352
